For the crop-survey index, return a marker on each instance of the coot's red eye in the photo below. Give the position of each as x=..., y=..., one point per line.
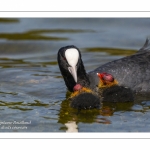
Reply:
x=64, y=58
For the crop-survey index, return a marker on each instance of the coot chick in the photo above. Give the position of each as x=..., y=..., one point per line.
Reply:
x=110, y=91
x=84, y=98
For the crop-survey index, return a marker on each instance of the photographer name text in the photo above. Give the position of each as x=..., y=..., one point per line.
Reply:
x=14, y=124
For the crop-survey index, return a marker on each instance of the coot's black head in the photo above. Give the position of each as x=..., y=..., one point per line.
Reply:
x=71, y=66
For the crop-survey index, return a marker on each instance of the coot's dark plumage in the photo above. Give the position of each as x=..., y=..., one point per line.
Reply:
x=131, y=72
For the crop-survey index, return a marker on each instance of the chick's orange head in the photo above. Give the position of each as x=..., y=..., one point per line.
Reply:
x=106, y=80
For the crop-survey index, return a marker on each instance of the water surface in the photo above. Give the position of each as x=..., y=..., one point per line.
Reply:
x=32, y=90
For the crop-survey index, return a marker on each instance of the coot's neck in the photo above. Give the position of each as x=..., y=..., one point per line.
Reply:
x=68, y=78
x=82, y=75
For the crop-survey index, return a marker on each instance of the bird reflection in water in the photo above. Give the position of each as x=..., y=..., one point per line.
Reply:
x=70, y=117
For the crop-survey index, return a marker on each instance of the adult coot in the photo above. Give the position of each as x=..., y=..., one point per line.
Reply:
x=128, y=75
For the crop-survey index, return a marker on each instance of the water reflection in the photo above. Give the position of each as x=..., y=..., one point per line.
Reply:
x=114, y=115
x=71, y=117
x=71, y=126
